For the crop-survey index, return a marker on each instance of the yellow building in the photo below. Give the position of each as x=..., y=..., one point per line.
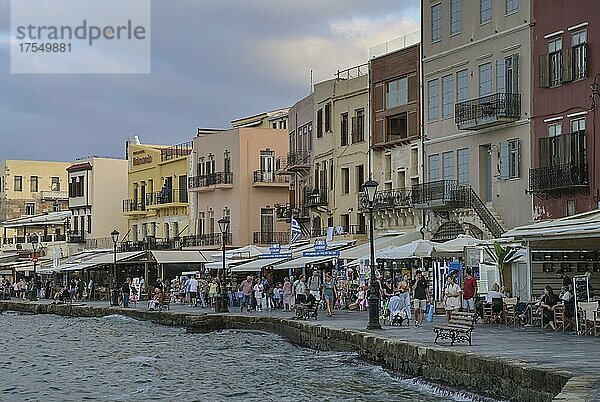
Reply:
x=32, y=187
x=157, y=207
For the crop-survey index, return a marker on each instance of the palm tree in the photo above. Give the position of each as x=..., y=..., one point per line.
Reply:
x=500, y=255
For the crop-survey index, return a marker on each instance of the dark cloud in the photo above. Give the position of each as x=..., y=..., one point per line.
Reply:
x=212, y=61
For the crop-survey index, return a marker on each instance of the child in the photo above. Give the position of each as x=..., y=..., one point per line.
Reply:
x=360, y=298
x=277, y=295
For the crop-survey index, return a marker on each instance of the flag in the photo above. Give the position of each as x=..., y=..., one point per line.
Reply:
x=296, y=231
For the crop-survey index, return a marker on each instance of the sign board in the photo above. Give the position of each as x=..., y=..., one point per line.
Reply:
x=273, y=256
x=581, y=293
x=275, y=248
x=34, y=259
x=454, y=266
x=320, y=245
x=321, y=253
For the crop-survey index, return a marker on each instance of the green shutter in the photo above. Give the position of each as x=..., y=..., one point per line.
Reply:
x=504, y=171
x=501, y=77
x=515, y=77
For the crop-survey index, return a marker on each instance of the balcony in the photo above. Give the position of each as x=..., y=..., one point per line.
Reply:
x=76, y=237
x=298, y=161
x=488, y=111
x=176, y=151
x=271, y=238
x=340, y=230
x=315, y=198
x=268, y=178
x=210, y=239
x=387, y=199
x=558, y=178
x=440, y=194
x=211, y=181
x=134, y=206
x=286, y=211
x=166, y=198
x=54, y=196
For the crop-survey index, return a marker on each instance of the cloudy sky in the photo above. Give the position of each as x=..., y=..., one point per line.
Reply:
x=212, y=61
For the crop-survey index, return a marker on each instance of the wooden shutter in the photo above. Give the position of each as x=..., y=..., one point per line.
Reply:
x=413, y=88
x=504, y=168
x=515, y=72
x=354, y=129
x=378, y=103
x=501, y=77
x=544, y=76
x=413, y=124
x=567, y=64
x=378, y=132
x=544, y=152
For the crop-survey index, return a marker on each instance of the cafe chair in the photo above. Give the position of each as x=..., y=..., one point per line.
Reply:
x=586, y=313
x=561, y=321
x=493, y=312
x=510, y=311
x=536, y=317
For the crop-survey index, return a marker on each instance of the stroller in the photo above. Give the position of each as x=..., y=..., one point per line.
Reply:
x=399, y=311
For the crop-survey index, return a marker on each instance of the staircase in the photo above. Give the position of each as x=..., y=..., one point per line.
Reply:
x=473, y=201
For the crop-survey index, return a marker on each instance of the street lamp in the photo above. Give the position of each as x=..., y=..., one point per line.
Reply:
x=224, y=226
x=115, y=238
x=34, y=259
x=370, y=187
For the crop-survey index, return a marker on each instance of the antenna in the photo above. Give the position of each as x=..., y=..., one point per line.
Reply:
x=311, y=81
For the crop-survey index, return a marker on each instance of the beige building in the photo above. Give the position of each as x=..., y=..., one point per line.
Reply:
x=340, y=151
x=476, y=84
x=30, y=188
x=276, y=119
x=96, y=188
x=234, y=175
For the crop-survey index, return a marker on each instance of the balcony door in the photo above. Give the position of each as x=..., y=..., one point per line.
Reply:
x=267, y=225
x=267, y=165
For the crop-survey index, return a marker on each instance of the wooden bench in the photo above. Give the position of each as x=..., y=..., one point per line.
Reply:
x=459, y=329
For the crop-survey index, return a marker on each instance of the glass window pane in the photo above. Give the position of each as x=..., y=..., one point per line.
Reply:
x=462, y=86
x=436, y=22
x=447, y=96
x=455, y=17
x=433, y=100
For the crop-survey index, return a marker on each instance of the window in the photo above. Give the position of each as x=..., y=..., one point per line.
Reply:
x=571, y=207
x=153, y=229
x=18, y=183
x=274, y=124
x=344, y=128
x=554, y=129
x=320, y=123
x=447, y=96
x=89, y=223
x=201, y=222
x=227, y=162
x=462, y=158
x=144, y=230
x=283, y=124
x=345, y=181
x=434, y=167
x=360, y=177
x=510, y=159
x=397, y=127
x=462, y=85
x=555, y=62
x=358, y=126
x=512, y=6
x=507, y=74
x=448, y=165
x=485, y=79
x=436, y=22
x=579, y=51
x=577, y=125
x=55, y=186
x=455, y=17
x=29, y=208
x=433, y=100
x=166, y=231
x=327, y=117
x=397, y=93
x=485, y=11
x=33, y=184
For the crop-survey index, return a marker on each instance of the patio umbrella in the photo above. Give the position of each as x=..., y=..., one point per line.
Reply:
x=414, y=249
x=455, y=246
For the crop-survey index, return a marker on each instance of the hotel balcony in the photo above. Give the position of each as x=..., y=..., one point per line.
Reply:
x=315, y=198
x=55, y=196
x=266, y=178
x=134, y=206
x=488, y=111
x=167, y=198
x=558, y=178
x=209, y=239
x=211, y=181
x=76, y=237
x=271, y=238
x=440, y=194
x=297, y=161
x=340, y=230
x=176, y=151
x=387, y=199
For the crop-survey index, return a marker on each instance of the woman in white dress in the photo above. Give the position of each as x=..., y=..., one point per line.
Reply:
x=451, y=297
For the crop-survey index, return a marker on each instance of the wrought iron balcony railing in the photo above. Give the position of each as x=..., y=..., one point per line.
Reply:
x=209, y=239
x=298, y=159
x=133, y=205
x=487, y=111
x=176, y=151
x=558, y=177
x=387, y=199
x=271, y=237
x=315, y=198
x=167, y=196
x=269, y=176
x=212, y=179
x=439, y=193
x=76, y=237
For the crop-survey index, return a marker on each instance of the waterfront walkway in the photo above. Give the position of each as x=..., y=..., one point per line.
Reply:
x=552, y=349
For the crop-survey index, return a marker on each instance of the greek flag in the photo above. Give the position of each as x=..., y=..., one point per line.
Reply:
x=296, y=231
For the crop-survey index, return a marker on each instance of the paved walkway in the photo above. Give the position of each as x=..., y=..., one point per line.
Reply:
x=564, y=350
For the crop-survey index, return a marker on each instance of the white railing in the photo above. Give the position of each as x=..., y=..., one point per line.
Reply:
x=395, y=44
x=55, y=195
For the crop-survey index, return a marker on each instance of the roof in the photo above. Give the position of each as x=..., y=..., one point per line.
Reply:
x=301, y=262
x=257, y=265
x=179, y=257
x=51, y=218
x=584, y=225
x=79, y=167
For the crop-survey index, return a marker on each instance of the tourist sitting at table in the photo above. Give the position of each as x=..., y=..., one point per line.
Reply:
x=547, y=303
x=308, y=305
x=566, y=298
x=489, y=298
x=156, y=300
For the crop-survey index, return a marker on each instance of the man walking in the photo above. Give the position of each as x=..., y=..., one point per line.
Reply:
x=469, y=291
x=246, y=288
x=193, y=286
x=420, y=288
x=314, y=285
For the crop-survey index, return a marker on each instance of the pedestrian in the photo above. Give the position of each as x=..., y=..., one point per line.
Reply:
x=300, y=289
x=469, y=291
x=277, y=296
x=212, y=291
x=451, y=297
x=314, y=284
x=258, y=294
x=193, y=288
x=329, y=293
x=126, y=291
x=420, y=288
x=286, y=292
x=246, y=288
x=91, y=289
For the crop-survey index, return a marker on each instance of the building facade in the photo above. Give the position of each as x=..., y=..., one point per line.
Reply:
x=275, y=119
x=565, y=177
x=476, y=67
x=96, y=188
x=234, y=176
x=30, y=188
x=396, y=133
x=157, y=207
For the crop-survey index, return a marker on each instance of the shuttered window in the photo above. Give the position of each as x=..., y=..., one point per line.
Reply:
x=455, y=17
x=436, y=22
x=433, y=100
x=510, y=159
x=578, y=42
x=555, y=62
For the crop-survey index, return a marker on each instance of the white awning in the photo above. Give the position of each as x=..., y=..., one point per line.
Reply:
x=364, y=250
x=302, y=262
x=257, y=265
x=584, y=225
x=179, y=257
x=219, y=264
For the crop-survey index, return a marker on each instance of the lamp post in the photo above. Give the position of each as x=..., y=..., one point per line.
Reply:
x=34, y=259
x=115, y=238
x=224, y=226
x=370, y=187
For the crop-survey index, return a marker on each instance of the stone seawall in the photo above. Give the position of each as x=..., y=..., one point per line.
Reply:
x=496, y=377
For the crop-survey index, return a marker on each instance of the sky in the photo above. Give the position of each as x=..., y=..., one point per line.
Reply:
x=212, y=61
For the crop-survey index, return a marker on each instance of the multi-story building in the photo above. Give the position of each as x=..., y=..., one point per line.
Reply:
x=340, y=151
x=32, y=187
x=476, y=62
x=157, y=207
x=234, y=176
x=96, y=187
x=396, y=133
x=276, y=119
x=565, y=177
